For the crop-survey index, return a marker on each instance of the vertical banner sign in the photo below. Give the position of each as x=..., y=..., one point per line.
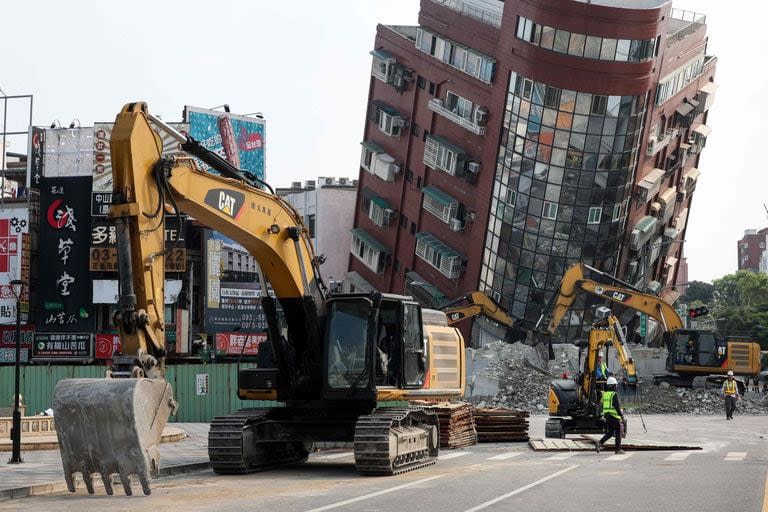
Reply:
x=238, y=139
x=201, y=384
x=35, y=162
x=102, y=160
x=232, y=287
x=14, y=261
x=64, y=292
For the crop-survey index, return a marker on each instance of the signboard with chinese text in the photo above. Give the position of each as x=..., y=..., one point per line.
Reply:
x=106, y=345
x=103, y=254
x=36, y=155
x=8, y=355
x=201, y=384
x=238, y=139
x=236, y=343
x=232, y=287
x=64, y=279
x=62, y=345
x=8, y=336
x=14, y=260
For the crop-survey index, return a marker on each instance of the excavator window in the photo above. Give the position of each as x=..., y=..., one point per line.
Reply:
x=347, y=338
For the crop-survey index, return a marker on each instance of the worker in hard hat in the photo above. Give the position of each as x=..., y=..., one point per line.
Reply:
x=731, y=392
x=613, y=415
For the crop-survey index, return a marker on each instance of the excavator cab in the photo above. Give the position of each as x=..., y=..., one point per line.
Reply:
x=348, y=361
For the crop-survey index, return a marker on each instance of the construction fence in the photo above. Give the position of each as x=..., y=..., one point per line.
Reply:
x=202, y=390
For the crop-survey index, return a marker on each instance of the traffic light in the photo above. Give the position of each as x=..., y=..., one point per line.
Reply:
x=697, y=312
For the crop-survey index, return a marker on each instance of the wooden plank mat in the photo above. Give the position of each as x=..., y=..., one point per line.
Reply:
x=587, y=443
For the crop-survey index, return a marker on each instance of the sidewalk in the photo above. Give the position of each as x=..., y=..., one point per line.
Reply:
x=41, y=472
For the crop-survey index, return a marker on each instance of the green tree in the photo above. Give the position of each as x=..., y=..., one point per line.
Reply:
x=740, y=305
x=698, y=291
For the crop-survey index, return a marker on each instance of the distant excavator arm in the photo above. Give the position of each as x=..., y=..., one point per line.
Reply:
x=473, y=304
x=574, y=282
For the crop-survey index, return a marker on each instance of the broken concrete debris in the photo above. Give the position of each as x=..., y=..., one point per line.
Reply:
x=514, y=376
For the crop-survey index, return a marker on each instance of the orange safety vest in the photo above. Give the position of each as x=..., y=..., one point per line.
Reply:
x=729, y=387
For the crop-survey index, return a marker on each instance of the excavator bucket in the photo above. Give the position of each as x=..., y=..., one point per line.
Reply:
x=109, y=426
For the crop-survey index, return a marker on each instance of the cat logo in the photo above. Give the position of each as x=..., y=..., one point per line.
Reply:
x=613, y=294
x=228, y=202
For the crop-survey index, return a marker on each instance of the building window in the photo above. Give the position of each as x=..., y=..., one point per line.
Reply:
x=599, y=105
x=440, y=204
x=552, y=97
x=510, y=197
x=311, y=225
x=616, y=212
x=420, y=82
x=549, y=211
x=389, y=124
x=367, y=253
x=439, y=154
x=460, y=57
x=409, y=176
x=438, y=255
x=403, y=221
x=595, y=212
x=458, y=105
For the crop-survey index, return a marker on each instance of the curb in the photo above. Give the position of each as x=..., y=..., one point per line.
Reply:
x=56, y=487
x=170, y=435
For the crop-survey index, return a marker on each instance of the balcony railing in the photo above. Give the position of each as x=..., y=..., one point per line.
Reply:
x=437, y=106
x=473, y=11
x=654, y=145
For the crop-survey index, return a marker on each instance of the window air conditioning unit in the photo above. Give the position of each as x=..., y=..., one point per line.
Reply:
x=455, y=224
x=473, y=167
x=343, y=181
x=481, y=116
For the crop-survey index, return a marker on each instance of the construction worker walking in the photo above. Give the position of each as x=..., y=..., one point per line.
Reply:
x=731, y=392
x=613, y=415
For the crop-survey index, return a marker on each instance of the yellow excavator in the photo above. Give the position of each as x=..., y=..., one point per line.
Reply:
x=478, y=303
x=337, y=356
x=694, y=356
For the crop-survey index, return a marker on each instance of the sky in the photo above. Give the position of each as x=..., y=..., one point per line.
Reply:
x=305, y=65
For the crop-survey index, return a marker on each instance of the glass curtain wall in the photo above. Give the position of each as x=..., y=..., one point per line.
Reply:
x=563, y=180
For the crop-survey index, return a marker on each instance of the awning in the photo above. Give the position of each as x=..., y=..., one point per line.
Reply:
x=437, y=245
x=439, y=196
x=105, y=291
x=386, y=108
x=652, y=177
x=372, y=147
x=370, y=241
x=447, y=144
x=359, y=283
x=709, y=88
x=375, y=199
x=692, y=174
x=693, y=102
x=646, y=224
x=422, y=290
x=684, y=109
x=670, y=295
x=684, y=146
x=670, y=261
x=382, y=55
x=669, y=195
x=703, y=130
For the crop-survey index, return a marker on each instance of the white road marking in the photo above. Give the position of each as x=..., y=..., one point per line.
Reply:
x=736, y=456
x=374, y=494
x=619, y=456
x=521, y=489
x=678, y=456
x=452, y=455
x=336, y=455
x=505, y=456
x=562, y=456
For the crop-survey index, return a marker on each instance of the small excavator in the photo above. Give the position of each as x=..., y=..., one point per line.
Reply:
x=338, y=357
x=695, y=357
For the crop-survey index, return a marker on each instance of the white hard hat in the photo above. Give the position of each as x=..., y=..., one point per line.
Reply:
x=730, y=373
x=611, y=381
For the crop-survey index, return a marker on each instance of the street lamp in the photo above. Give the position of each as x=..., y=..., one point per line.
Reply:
x=17, y=287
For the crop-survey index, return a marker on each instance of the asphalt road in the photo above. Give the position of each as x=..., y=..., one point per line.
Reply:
x=729, y=474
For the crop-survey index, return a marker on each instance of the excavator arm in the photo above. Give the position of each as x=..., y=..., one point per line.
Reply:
x=473, y=304
x=574, y=282
x=114, y=425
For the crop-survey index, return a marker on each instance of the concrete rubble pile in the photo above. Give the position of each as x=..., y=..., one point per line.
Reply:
x=516, y=376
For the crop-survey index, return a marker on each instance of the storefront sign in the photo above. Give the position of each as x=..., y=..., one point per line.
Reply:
x=14, y=260
x=8, y=355
x=35, y=163
x=8, y=336
x=63, y=345
x=106, y=345
x=103, y=257
x=235, y=343
x=100, y=203
x=63, y=270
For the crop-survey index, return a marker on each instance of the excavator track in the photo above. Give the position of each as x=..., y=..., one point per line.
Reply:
x=391, y=441
x=232, y=448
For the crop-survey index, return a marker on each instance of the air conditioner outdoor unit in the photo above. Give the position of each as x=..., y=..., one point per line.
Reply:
x=398, y=81
x=473, y=167
x=399, y=121
x=355, y=182
x=455, y=224
x=396, y=168
x=389, y=214
x=328, y=181
x=343, y=181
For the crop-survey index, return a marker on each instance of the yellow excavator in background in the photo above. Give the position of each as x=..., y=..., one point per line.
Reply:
x=336, y=356
x=692, y=354
x=478, y=303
